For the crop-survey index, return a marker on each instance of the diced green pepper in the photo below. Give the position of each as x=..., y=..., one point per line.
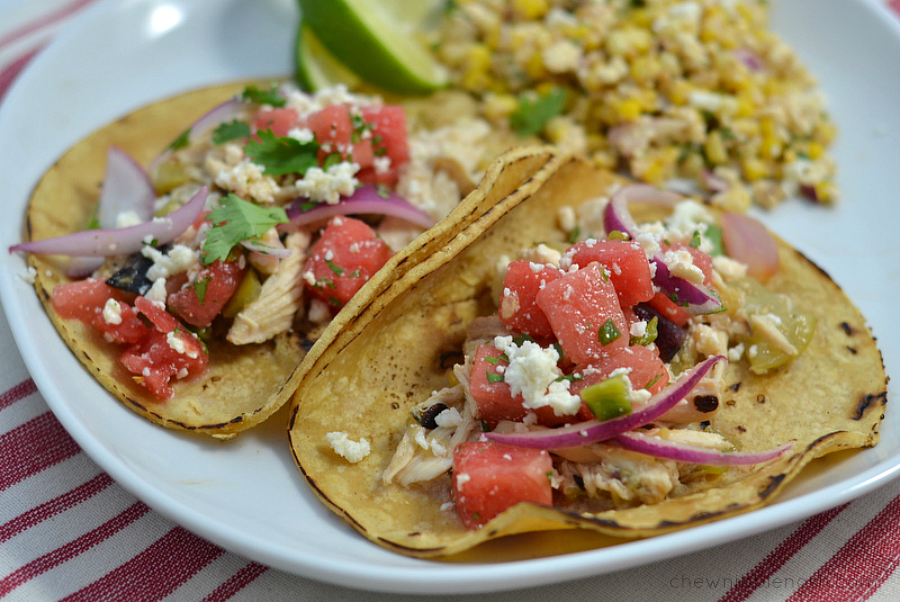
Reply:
x=608, y=398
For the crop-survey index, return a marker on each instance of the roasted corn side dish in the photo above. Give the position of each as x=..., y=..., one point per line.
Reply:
x=692, y=89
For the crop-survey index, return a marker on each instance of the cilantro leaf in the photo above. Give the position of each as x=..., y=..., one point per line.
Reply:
x=269, y=97
x=534, y=113
x=200, y=289
x=282, y=155
x=230, y=131
x=183, y=139
x=236, y=220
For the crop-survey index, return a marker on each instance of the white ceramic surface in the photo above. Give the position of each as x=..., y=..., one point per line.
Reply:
x=246, y=495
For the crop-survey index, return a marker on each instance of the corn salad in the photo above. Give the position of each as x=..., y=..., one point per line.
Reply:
x=696, y=89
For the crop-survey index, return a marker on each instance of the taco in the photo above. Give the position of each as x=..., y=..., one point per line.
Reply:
x=192, y=288
x=585, y=354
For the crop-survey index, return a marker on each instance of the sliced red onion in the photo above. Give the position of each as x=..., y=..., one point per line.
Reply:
x=227, y=111
x=749, y=58
x=670, y=450
x=592, y=431
x=366, y=199
x=696, y=298
x=124, y=241
x=713, y=182
x=126, y=188
x=82, y=267
x=748, y=241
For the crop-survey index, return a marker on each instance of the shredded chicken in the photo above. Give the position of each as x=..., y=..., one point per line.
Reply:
x=280, y=299
x=627, y=477
x=424, y=454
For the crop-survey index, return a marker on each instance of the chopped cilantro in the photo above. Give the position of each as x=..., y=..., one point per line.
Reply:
x=608, y=332
x=338, y=270
x=331, y=159
x=183, y=139
x=696, y=239
x=654, y=380
x=383, y=191
x=493, y=377
x=713, y=234
x=232, y=130
x=200, y=289
x=236, y=220
x=574, y=234
x=354, y=274
x=521, y=339
x=333, y=301
x=534, y=113
x=282, y=155
x=269, y=97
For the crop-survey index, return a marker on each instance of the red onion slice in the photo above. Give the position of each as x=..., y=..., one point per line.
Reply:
x=366, y=199
x=680, y=452
x=748, y=241
x=592, y=431
x=227, y=111
x=696, y=298
x=124, y=241
x=126, y=188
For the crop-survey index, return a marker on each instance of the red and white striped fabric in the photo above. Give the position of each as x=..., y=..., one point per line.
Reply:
x=68, y=532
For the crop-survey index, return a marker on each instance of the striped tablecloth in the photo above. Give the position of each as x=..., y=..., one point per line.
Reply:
x=69, y=532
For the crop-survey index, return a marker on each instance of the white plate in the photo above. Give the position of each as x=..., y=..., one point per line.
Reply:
x=246, y=495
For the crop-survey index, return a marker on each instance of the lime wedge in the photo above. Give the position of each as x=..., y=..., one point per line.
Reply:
x=378, y=41
x=316, y=67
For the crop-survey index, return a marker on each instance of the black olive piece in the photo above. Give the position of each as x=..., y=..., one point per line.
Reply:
x=669, y=336
x=132, y=277
x=426, y=417
x=706, y=403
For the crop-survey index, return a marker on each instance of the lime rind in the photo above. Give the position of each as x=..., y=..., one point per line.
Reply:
x=316, y=68
x=379, y=45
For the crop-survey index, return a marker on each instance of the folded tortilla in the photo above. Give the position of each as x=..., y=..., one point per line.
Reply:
x=368, y=372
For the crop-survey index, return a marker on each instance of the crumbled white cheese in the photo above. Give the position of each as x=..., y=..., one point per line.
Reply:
x=157, y=292
x=681, y=264
x=112, y=312
x=729, y=268
x=127, y=219
x=177, y=260
x=176, y=343
x=562, y=56
x=303, y=135
x=449, y=418
x=328, y=185
x=533, y=373
x=28, y=275
x=352, y=451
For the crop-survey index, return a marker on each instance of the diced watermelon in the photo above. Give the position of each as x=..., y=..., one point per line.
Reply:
x=646, y=369
x=669, y=309
x=336, y=131
x=626, y=262
x=389, y=139
x=583, y=310
x=343, y=259
x=490, y=477
x=85, y=300
x=280, y=120
x=201, y=301
x=167, y=352
x=518, y=308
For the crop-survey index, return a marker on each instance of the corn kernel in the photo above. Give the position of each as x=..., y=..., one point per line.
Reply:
x=499, y=106
x=814, y=150
x=629, y=109
x=754, y=169
x=530, y=9
x=714, y=148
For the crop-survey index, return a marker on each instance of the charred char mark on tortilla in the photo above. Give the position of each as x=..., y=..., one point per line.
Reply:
x=848, y=330
x=814, y=265
x=867, y=401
